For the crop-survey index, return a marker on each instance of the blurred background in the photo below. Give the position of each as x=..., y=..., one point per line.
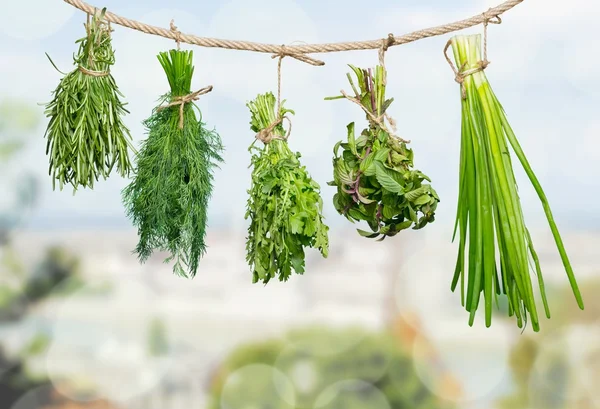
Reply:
x=84, y=325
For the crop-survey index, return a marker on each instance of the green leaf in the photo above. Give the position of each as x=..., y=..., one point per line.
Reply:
x=421, y=200
x=351, y=140
x=382, y=154
x=387, y=179
x=389, y=212
x=367, y=166
x=416, y=193
x=404, y=225
x=368, y=234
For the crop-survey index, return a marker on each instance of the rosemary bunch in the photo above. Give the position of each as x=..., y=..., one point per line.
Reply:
x=86, y=136
x=374, y=173
x=284, y=205
x=168, y=197
x=489, y=216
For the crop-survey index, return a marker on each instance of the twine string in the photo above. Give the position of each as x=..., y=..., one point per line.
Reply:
x=81, y=68
x=176, y=33
x=380, y=121
x=93, y=73
x=460, y=74
x=385, y=44
x=185, y=99
x=266, y=135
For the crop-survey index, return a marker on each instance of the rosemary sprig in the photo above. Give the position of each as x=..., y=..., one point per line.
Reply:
x=86, y=136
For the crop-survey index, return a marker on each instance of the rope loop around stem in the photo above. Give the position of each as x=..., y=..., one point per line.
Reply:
x=266, y=135
x=460, y=74
x=185, y=99
x=385, y=44
x=176, y=32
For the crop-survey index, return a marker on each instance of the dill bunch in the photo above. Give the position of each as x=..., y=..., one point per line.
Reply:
x=284, y=204
x=167, y=199
x=86, y=136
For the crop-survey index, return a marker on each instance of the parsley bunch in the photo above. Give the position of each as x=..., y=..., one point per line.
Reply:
x=168, y=197
x=86, y=136
x=284, y=204
x=374, y=173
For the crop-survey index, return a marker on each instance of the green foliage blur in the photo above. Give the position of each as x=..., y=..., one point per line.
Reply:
x=543, y=372
x=377, y=366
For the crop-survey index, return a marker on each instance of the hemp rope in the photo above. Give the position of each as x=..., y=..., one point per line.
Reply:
x=299, y=51
x=185, y=99
x=460, y=74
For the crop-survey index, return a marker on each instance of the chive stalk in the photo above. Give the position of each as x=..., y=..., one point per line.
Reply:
x=489, y=215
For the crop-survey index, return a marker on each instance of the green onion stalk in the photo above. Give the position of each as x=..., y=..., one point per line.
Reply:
x=167, y=199
x=496, y=253
x=284, y=206
x=86, y=136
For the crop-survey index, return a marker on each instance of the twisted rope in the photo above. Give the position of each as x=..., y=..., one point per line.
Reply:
x=299, y=51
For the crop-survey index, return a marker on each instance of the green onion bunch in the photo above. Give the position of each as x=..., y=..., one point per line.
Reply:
x=167, y=199
x=496, y=253
x=86, y=136
x=284, y=205
x=374, y=172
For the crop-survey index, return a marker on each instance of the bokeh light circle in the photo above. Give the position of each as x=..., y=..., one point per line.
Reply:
x=257, y=386
x=340, y=394
x=566, y=368
x=463, y=364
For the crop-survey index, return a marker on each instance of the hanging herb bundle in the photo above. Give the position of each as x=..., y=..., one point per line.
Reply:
x=168, y=197
x=86, y=136
x=374, y=173
x=284, y=204
x=489, y=209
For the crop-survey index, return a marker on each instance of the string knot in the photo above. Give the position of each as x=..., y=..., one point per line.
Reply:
x=185, y=99
x=388, y=42
x=267, y=135
x=93, y=73
x=491, y=18
x=286, y=52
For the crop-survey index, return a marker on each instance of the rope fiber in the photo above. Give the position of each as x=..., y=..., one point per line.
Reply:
x=299, y=51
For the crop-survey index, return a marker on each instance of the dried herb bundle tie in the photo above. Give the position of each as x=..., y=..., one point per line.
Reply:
x=186, y=99
x=86, y=135
x=168, y=197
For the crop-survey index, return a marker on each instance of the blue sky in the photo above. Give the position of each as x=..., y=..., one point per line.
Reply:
x=544, y=70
